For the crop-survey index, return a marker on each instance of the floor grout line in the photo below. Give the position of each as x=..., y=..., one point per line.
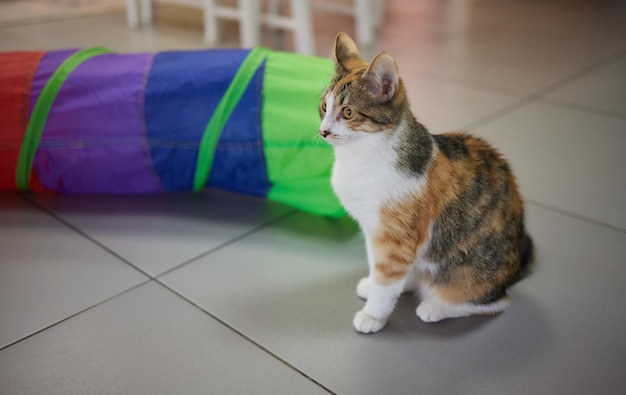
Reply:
x=585, y=71
x=582, y=108
x=516, y=105
x=80, y=232
x=77, y=313
x=176, y=293
x=541, y=93
x=228, y=242
x=247, y=338
x=84, y=235
x=573, y=215
x=149, y=278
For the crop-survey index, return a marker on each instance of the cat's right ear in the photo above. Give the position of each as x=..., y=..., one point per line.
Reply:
x=345, y=50
x=382, y=78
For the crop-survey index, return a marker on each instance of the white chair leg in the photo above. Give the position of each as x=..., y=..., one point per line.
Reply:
x=364, y=22
x=209, y=10
x=132, y=13
x=249, y=29
x=303, y=30
x=378, y=9
x=145, y=7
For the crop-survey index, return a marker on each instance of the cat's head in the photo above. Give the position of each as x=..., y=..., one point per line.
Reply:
x=363, y=99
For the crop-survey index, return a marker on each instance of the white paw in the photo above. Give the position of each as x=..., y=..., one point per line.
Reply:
x=363, y=289
x=430, y=312
x=366, y=324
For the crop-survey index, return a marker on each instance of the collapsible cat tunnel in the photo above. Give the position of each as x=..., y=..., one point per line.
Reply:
x=93, y=122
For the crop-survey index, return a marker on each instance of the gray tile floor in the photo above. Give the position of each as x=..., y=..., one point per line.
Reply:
x=223, y=294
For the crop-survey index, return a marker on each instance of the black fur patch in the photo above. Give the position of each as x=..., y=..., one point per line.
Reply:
x=452, y=145
x=415, y=150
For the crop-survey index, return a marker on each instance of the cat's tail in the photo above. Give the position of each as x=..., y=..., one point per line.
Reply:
x=527, y=255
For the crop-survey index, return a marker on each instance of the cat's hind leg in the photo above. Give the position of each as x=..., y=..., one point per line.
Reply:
x=434, y=307
x=433, y=310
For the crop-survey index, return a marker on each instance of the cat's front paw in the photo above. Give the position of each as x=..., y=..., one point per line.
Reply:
x=367, y=324
x=430, y=312
x=363, y=288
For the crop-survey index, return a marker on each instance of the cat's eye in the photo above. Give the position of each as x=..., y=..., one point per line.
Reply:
x=323, y=106
x=348, y=112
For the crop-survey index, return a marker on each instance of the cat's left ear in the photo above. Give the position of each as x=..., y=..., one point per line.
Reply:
x=345, y=51
x=382, y=77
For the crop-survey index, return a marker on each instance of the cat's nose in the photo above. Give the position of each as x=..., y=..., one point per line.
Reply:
x=324, y=133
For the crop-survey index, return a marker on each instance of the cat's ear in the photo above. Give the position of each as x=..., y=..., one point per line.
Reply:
x=345, y=49
x=382, y=77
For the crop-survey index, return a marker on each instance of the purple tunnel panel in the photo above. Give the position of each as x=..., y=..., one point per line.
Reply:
x=47, y=66
x=94, y=139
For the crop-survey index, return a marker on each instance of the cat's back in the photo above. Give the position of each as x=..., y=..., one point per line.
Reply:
x=471, y=167
x=474, y=172
x=470, y=150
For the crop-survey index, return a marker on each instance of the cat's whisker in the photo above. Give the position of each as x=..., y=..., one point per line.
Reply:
x=318, y=140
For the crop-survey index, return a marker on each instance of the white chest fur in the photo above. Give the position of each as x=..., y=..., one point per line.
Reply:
x=365, y=177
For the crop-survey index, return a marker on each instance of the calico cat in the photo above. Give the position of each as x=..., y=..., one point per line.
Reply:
x=441, y=214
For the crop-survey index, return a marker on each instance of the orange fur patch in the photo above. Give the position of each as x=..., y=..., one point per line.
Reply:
x=405, y=225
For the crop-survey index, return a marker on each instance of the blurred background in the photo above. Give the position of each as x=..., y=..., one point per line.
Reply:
x=226, y=294
x=161, y=23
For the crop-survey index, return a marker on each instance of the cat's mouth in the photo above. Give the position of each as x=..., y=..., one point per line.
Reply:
x=331, y=137
x=327, y=135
